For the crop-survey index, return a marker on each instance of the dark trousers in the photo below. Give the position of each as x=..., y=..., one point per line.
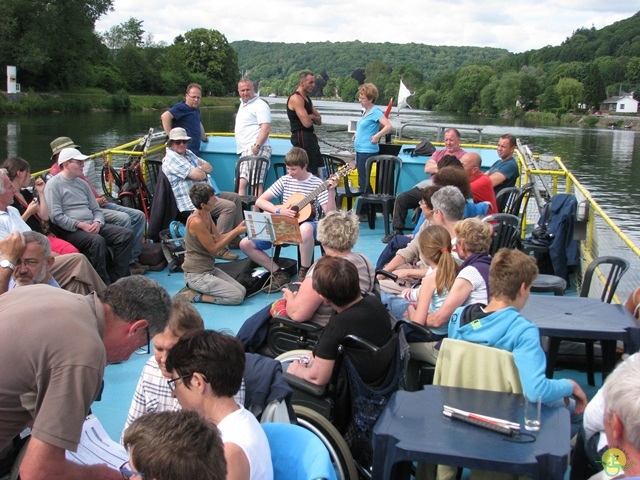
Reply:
x=309, y=143
x=94, y=246
x=405, y=201
x=396, y=243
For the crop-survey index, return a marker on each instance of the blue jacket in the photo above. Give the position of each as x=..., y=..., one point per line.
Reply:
x=508, y=330
x=564, y=250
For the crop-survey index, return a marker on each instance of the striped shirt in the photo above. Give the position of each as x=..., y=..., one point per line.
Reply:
x=287, y=186
x=153, y=394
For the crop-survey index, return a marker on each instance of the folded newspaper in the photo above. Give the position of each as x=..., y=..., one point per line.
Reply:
x=96, y=446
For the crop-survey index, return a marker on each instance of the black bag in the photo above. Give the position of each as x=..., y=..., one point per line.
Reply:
x=424, y=149
x=251, y=275
x=247, y=273
x=173, y=247
x=153, y=256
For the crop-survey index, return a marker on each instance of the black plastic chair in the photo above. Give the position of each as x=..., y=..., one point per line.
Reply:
x=506, y=232
x=514, y=200
x=332, y=164
x=506, y=199
x=257, y=168
x=388, y=170
x=618, y=267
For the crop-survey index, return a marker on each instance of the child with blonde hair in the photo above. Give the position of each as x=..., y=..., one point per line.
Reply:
x=435, y=252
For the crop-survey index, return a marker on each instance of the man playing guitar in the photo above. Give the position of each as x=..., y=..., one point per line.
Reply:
x=297, y=181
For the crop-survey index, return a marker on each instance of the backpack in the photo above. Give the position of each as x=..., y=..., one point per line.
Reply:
x=173, y=245
x=424, y=149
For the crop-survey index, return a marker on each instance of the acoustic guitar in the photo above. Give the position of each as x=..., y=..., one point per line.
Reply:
x=303, y=204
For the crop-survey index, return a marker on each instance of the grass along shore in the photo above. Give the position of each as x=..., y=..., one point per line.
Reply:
x=39, y=103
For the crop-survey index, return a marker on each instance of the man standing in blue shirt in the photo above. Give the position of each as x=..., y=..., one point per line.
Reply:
x=186, y=114
x=504, y=172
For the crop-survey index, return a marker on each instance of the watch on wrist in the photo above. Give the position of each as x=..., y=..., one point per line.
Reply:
x=4, y=263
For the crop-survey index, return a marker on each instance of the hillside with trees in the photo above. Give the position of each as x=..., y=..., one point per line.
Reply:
x=586, y=68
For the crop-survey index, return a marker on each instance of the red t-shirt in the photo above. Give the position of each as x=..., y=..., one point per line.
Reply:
x=482, y=190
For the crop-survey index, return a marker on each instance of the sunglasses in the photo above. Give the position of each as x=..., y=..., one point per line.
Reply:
x=180, y=142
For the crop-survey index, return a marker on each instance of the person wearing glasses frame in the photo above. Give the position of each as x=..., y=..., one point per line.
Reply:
x=173, y=446
x=186, y=114
x=206, y=371
x=55, y=347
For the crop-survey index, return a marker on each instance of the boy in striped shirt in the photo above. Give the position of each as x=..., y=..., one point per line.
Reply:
x=297, y=180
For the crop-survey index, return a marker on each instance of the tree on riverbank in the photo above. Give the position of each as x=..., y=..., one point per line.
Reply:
x=53, y=44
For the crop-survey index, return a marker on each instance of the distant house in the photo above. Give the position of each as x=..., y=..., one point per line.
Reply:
x=622, y=104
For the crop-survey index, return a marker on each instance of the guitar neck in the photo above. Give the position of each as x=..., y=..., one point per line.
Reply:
x=311, y=196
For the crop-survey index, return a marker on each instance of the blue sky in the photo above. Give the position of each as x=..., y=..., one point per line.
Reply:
x=518, y=25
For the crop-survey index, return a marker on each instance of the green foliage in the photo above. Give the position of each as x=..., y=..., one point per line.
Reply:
x=590, y=121
x=120, y=101
x=594, y=89
x=633, y=70
x=488, y=97
x=53, y=44
x=508, y=93
x=348, y=89
x=570, y=92
x=207, y=52
x=269, y=60
x=428, y=100
x=467, y=86
x=129, y=33
x=541, y=118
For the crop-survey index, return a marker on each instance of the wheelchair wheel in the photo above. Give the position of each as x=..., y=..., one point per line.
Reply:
x=342, y=459
x=288, y=357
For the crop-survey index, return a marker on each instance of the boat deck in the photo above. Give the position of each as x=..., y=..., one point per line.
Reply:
x=121, y=379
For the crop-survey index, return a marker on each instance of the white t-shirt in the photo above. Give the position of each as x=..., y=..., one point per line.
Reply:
x=242, y=428
x=479, y=292
x=248, y=120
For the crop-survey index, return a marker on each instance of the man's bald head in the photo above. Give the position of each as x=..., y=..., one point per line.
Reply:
x=471, y=162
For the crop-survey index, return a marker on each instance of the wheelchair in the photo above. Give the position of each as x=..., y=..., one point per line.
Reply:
x=343, y=412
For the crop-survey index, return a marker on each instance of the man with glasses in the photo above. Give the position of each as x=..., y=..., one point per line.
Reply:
x=33, y=265
x=55, y=347
x=186, y=114
x=75, y=212
x=184, y=169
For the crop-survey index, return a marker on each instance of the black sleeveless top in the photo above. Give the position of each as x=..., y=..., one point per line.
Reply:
x=33, y=221
x=295, y=122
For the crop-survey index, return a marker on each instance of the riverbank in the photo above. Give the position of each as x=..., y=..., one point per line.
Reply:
x=38, y=103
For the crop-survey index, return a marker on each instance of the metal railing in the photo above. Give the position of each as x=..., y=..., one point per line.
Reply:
x=599, y=235
x=440, y=129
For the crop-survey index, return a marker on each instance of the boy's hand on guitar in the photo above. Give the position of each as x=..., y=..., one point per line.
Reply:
x=287, y=212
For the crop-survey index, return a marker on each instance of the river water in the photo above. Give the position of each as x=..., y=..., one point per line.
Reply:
x=607, y=162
